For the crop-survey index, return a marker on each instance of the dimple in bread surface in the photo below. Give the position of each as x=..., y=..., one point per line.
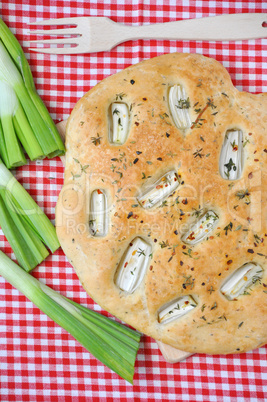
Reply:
x=153, y=148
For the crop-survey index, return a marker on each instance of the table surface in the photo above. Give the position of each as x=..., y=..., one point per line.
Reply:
x=39, y=361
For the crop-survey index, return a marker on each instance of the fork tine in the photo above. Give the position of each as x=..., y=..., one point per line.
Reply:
x=59, y=50
x=61, y=41
x=57, y=21
x=66, y=31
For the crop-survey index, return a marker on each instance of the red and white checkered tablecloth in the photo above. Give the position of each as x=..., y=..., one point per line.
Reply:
x=39, y=361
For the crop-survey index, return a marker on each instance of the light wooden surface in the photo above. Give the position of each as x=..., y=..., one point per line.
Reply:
x=100, y=33
x=170, y=354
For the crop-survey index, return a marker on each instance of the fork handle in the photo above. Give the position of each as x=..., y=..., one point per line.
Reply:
x=224, y=27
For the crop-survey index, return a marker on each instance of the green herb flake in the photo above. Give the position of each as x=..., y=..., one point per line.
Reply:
x=210, y=289
x=96, y=140
x=228, y=228
x=245, y=142
x=75, y=176
x=189, y=282
x=171, y=154
x=243, y=195
x=120, y=174
x=140, y=252
x=198, y=122
x=214, y=306
x=229, y=166
x=83, y=168
x=257, y=238
x=144, y=176
x=198, y=153
x=189, y=253
x=183, y=104
x=164, y=244
x=120, y=96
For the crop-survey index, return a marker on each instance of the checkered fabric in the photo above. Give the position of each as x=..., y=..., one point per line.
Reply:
x=39, y=361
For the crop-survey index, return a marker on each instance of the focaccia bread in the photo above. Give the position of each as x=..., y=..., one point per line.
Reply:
x=163, y=209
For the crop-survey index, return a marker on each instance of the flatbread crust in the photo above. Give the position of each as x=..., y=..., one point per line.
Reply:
x=154, y=147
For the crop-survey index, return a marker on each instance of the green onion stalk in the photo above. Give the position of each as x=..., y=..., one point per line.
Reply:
x=32, y=122
x=25, y=225
x=112, y=343
x=15, y=130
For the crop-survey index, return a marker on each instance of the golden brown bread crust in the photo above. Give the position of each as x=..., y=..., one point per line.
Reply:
x=216, y=325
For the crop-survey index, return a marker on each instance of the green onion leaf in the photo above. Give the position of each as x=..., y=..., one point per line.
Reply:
x=112, y=343
x=24, y=223
x=27, y=247
x=3, y=150
x=15, y=71
x=26, y=135
x=8, y=106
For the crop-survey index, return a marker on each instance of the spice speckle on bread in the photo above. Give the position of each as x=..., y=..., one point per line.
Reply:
x=163, y=209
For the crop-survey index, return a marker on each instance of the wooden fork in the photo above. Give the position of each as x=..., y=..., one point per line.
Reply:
x=96, y=34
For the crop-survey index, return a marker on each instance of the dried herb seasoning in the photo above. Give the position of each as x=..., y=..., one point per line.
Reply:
x=96, y=140
x=228, y=228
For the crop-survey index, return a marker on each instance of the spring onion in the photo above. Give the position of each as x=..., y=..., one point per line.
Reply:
x=201, y=228
x=98, y=213
x=179, y=105
x=34, y=126
x=231, y=157
x=112, y=343
x=133, y=265
x=12, y=120
x=3, y=150
x=159, y=190
x=8, y=107
x=24, y=224
x=240, y=280
x=119, y=123
x=176, y=309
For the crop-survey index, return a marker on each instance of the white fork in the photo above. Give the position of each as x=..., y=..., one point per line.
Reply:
x=96, y=34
